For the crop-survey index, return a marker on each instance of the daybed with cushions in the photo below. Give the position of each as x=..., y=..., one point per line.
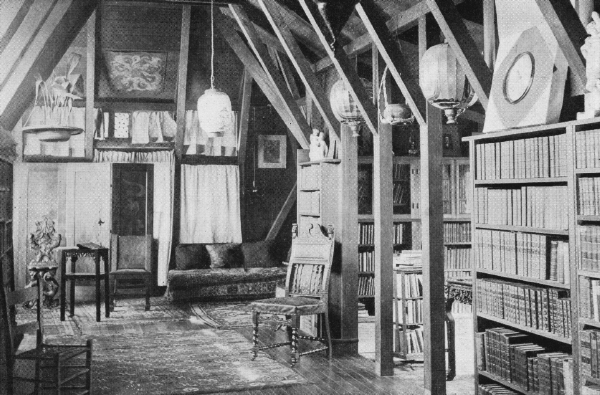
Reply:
x=225, y=271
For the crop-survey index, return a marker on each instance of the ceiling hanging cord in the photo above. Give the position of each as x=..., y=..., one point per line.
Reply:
x=212, y=45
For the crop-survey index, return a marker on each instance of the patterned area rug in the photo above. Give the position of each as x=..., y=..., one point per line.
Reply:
x=200, y=361
x=232, y=315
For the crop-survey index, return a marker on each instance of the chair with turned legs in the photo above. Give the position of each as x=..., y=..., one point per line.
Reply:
x=306, y=291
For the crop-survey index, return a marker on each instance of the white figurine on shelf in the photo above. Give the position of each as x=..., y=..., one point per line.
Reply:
x=591, y=52
x=318, y=147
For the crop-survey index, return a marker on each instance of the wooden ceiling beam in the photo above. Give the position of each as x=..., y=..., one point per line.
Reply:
x=40, y=55
x=345, y=69
x=227, y=29
x=302, y=66
x=451, y=23
x=263, y=57
x=391, y=53
x=570, y=34
x=266, y=37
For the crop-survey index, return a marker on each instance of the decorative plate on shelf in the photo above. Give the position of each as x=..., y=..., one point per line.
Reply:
x=51, y=133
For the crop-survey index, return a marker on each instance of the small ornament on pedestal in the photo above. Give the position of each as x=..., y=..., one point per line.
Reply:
x=318, y=147
x=591, y=52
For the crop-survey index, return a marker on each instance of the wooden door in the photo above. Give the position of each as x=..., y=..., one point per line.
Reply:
x=132, y=203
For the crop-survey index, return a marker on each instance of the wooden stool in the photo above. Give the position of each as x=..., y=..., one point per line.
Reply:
x=74, y=253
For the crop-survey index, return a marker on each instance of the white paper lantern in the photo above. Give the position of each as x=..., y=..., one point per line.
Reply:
x=444, y=83
x=214, y=112
x=344, y=107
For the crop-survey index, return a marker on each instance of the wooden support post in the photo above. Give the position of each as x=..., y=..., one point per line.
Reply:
x=90, y=93
x=392, y=55
x=465, y=50
x=184, y=48
x=383, y=215
x=343, y=295
x=262, y=55
x=283, y=213
x=433, y=253
x=344, y=67
x=245, y=96
x=570, y=34
x=490, y=40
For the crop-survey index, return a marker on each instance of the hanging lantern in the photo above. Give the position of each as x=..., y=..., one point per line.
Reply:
x=344, y=107
x=393, y=113
x=214, y=106
x=444, y=83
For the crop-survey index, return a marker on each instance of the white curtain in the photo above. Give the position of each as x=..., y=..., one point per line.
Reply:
x=210, y=204
x=164, y=176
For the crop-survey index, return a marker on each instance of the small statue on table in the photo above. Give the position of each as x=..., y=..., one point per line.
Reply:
x=318, y=147
x=43, y=241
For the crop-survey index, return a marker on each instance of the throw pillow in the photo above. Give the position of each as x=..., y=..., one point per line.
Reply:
x=261, y=254
x=191, y=256
x=225, y=256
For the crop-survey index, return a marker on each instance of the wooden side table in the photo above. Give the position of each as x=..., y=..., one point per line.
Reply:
x=73, y=253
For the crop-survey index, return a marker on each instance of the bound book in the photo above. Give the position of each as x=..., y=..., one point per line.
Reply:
x=89, y=246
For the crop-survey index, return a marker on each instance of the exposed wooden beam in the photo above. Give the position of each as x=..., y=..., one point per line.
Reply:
x=344, y=68
x=264, y=35
x=302, y=66
x=466, y=52
x=262, y=55
x=12, y=14
x=90, y=83
x=569, y=32
x=283, y=213
x=490, y=40
x=227, y=30
x=422, y=37
x=391, y=53
x=184, y=48
x=51, y=41
x=288, y=76
x=246, y=95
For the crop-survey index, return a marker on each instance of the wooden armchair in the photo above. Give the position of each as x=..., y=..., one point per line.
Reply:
x=131, y=258
x=60, y=368
x=306, y=291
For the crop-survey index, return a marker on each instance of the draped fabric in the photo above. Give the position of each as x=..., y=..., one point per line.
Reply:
x=210, y=204
x=164, y=175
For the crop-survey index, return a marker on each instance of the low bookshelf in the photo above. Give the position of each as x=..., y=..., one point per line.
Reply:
x=536, y=255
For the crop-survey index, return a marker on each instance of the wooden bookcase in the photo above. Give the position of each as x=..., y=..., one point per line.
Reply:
x=408, y=313
x=534, y=221
x=407, y=220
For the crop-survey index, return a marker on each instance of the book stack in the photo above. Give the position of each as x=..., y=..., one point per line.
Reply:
x=494, y=389
x=588, y=149
x=458, y=259
x=589, y=298
x=457, y=232
x=414, y=340
x=589, y=248
x=414, y=313
x=409, y=258
x=366, y=261
x=401, y=193
x=366, y=286
x=538, y=207
x=524, y=254
x=513, y=357
x=589, y=195
x=399, y=233
x=412, y=286
x=543, y=309
x=366, y=233
x=589, y=340
x=535, y=157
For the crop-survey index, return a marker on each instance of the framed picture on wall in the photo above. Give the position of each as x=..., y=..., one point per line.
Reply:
x=271, y=151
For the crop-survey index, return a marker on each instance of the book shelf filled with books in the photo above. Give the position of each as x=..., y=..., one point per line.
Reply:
x=536, y=244
x=408, y=313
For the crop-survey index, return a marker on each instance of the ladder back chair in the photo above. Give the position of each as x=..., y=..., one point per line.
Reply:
x=306, y=291
x=131, y=258
x=60, y=369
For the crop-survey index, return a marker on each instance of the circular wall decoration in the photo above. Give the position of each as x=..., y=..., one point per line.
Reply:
x=519, y=78
x=522, y=76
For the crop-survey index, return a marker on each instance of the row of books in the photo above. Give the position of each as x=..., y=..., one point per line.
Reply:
x=310, y=176
x=535, y=157
x=309, y=202
x=409, y=284
x=494, y=389
x=366, y=286
x=544, y=309
x=457, y=232
x=401, y=172
x=413, y=310
x=589, y=248
x=457, y=258
x=414, y=340
x=538, y=207
x=366, y=233
x=587, y=144
x=524, y=254
x=515, y=358
x=401, y=193
x=589, y=298
x=588, y=195
x=589, y=340
x=366, y=261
